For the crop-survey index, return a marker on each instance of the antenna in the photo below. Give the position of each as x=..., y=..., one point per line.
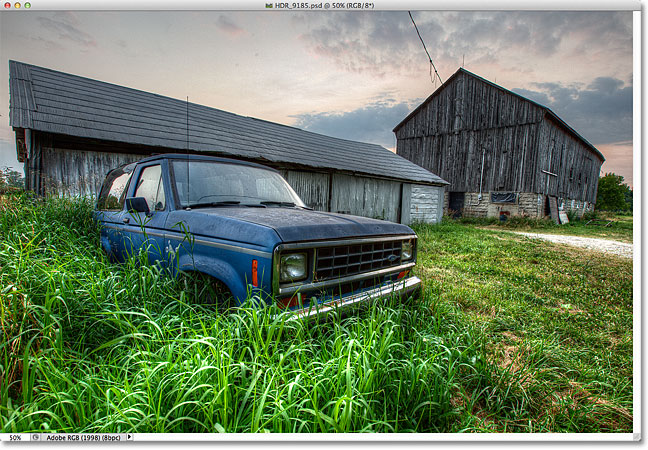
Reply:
x=187, y=152
x=426, y=51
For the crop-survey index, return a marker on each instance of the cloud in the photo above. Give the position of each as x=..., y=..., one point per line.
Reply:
x=66, y=26
x=386, y=43
x=377, y=43
x=601, y=111
x=225, y=24
x=372, y=123
x=47, y=44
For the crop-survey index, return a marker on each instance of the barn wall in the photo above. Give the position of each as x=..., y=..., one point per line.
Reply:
x=426, y=203
x=529, y=204
x=76, y=171
x=576, y=167
x=312, y=187
x=368, y=197
x=470, y=124
x=51, y=170
x=526, y=204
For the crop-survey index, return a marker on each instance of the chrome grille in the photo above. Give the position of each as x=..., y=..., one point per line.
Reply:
x=344, y=260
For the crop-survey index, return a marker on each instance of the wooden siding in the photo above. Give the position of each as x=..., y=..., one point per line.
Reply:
x=426, y=204
x=469, y=121
x=577, y=169
x=76, y=172
x=467, y=103
x=507, y=155
x=55, y=169
x=368, y=197
x=312, y=187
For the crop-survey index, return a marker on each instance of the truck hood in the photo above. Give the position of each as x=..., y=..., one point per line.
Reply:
x=293, y=224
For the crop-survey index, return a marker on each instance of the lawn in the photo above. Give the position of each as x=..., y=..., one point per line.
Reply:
x=611, y=226
x=557, y=322
x=508, y=336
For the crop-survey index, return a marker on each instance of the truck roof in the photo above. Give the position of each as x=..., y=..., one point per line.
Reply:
x=194, y=157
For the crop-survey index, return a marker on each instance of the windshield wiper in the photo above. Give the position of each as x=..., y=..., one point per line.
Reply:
x=274, y=203
x=288, y=204
x=213, y=204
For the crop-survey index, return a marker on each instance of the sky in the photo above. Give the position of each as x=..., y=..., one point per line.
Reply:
x=353, y=75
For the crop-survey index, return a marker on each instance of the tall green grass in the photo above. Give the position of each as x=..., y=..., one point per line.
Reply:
x=91, y=346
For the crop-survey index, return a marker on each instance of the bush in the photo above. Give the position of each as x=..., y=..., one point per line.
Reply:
x=612, y=193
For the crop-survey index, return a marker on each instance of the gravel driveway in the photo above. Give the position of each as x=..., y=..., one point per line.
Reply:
x=602, y=245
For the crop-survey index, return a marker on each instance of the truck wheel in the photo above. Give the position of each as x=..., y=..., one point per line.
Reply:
x=207, y=290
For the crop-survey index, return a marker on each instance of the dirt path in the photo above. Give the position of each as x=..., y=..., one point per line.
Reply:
x=602, y=245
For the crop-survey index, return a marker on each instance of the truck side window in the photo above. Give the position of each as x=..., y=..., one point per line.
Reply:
x=112, y=195
x=150, y=187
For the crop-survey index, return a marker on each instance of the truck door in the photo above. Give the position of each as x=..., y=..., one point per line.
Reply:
x=110, y=210
x=146, y=230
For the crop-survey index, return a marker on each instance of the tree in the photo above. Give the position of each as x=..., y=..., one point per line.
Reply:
x=11, y=178
x=612, y=193
x=628, y=197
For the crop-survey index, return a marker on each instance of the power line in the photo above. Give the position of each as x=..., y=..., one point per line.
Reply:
x=425, y=48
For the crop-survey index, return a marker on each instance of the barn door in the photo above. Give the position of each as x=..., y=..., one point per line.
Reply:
x=456, y=203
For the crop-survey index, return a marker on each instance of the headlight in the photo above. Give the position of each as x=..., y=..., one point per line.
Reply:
x=406, y=252
x=292, y=267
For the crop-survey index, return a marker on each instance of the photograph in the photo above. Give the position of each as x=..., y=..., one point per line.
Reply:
x=319, y=221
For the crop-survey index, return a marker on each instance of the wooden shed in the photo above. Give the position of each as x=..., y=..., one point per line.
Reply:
x=502, y=153
x=70, y=131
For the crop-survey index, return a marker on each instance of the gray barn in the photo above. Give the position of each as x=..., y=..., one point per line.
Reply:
x=71, y=130
x=501, y=153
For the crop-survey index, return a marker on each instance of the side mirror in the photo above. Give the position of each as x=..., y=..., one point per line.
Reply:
x=137, y=204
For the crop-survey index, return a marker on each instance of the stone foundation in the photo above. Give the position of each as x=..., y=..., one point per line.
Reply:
x=526, y=204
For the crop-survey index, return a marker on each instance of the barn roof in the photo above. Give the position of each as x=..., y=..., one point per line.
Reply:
x=548, y=111
x=56, y=102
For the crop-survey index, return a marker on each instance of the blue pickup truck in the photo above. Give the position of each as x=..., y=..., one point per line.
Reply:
x=242, y=225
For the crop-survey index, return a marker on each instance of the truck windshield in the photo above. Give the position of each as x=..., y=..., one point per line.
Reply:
x=218, y=183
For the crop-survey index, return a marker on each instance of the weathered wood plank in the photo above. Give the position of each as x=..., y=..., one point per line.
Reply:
x=518, y=138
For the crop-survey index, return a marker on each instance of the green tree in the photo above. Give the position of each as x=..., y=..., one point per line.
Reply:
x=612, y=193
x=628, y=197
x=11, y=178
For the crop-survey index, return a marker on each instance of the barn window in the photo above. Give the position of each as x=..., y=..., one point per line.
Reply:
x=503, y=197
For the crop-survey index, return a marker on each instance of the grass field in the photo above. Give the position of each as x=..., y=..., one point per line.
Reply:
x=509, y=336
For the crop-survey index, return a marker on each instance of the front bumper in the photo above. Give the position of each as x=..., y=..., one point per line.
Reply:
x=401, y=287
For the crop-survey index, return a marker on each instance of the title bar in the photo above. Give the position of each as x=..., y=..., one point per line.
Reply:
x=259, y=5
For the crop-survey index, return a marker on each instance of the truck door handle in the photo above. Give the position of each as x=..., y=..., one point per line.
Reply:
x=125, y=220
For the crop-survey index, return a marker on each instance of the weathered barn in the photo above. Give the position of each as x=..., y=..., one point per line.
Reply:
x=71, y=130
x=501, y=152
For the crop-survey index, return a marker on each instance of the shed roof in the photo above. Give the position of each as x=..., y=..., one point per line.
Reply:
x=56, y=102
x=548, y=111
